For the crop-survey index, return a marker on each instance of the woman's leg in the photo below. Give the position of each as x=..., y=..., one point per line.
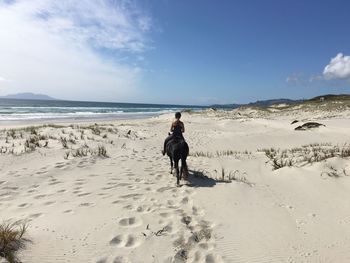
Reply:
x=165, y=143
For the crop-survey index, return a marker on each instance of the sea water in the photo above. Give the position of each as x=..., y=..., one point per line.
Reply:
x=27, y=110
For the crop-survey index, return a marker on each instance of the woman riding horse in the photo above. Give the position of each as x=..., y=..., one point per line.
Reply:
x=177, y=128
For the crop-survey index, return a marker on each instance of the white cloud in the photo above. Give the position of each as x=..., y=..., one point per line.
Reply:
x=338, y=68
x=72, y=49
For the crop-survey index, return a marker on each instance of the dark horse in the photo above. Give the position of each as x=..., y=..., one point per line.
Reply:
x=177, y=149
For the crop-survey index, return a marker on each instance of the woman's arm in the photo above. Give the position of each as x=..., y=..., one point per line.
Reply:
x=182, y=127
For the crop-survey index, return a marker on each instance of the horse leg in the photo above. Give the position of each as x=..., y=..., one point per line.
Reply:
x=177, y=173
x=171, y=165
x=184, y=170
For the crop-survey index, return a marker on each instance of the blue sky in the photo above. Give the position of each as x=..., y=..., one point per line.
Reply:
x=185, y=52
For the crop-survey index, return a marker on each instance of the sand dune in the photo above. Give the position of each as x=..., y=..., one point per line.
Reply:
x=124, y=206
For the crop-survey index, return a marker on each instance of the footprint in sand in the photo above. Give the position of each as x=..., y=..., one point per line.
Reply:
x=121, y=259
x=197, y=212
x=184, y=200
x=144, y=209
x=122, y=184
x=162, y=189
x=10, y=188
x=129, y=222
x=49, y=203
x=133, y=196
x=53, y=183
x=129, y=207
x=33, y=216
x=101, y=260
x=83, y=194
x=24, y=205
x=86, y=204
x=165, y=214
x=128, y=241
x=39, y=196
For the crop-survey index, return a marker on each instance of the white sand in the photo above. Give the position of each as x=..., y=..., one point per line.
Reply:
x=127, y=208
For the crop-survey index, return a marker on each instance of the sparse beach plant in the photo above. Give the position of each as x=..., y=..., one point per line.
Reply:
x=66, y=155
x=12, y=239
x=80, y=152
x=102, y=151
x=72, y=141
x=33, y=130
x=306, y=154
x=64, y=142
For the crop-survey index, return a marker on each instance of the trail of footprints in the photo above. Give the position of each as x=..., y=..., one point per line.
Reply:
x=176, y=215
x=179, y=218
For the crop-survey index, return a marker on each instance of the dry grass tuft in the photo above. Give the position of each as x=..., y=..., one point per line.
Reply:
x=12, y=240
x=102, y=151
x=238, y=176
x=306, y=154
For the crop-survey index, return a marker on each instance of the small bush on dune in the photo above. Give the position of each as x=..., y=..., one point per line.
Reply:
x=12, y=240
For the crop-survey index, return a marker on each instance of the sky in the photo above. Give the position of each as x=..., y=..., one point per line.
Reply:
x=196, y=52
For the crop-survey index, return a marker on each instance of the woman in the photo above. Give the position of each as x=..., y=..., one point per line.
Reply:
x=177, y=128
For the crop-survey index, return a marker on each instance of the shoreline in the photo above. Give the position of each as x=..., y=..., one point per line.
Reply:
x=68, y=121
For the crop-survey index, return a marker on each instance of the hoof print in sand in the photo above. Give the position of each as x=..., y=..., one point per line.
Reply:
x=128, y=241
x=129, y=222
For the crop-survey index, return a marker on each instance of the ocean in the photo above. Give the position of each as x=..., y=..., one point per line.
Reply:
x=17, y=110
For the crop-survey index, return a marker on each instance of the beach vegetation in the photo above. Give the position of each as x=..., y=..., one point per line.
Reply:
x=64, y=142
x=223, y=153
x=32, y=130
x=66, y=155
x=101, y=151
x=306, y=154
x=31, y=143
x=236, y=175
x=80, y=152
x=12, y=239
x=12, y=133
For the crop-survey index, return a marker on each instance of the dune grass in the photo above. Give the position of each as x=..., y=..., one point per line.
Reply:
x=12, y=240
x=306, y=154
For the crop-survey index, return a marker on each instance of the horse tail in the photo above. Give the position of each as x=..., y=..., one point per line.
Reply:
x=184, y=155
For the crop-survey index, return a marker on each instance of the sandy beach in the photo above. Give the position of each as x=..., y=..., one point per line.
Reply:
x=258, y=190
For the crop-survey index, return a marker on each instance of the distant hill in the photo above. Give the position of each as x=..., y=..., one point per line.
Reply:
x=228, y=106
x=267, y=103
x=331, y=97
x=27, y=96
x=259, y=103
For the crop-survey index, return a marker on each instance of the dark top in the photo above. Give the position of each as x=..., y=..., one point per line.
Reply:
x=177, y=128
